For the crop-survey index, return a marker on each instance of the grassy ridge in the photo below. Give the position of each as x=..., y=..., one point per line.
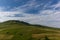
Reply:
x=16, y=30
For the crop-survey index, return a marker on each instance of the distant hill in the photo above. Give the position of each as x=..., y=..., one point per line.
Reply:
x=15, y=22
x=22, y=22
x=19, y=30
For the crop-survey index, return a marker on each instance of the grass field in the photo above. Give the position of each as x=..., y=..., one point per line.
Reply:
x=12, y=30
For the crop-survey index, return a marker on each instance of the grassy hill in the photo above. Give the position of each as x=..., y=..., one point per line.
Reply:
x=19, y=30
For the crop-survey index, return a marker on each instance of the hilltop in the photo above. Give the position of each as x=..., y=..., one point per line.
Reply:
x=19, y=30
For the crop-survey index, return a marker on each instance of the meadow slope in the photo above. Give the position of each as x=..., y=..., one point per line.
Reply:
x=15, y=30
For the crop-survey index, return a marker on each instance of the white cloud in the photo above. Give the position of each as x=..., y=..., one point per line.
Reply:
x=5, y=14
x=57, y=5
x=52, y=18
x=45, y=17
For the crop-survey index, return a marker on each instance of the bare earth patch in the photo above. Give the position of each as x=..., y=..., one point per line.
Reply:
x=5, y=37
x=50, y=36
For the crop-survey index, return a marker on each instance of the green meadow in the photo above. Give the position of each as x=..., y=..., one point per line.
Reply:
x=19, y=30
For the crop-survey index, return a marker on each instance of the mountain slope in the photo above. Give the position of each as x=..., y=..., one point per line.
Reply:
x=17, y=30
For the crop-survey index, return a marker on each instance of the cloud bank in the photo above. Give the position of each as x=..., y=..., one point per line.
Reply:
x=45, y=14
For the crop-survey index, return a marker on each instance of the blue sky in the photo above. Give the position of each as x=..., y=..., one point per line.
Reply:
x=43, y=12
